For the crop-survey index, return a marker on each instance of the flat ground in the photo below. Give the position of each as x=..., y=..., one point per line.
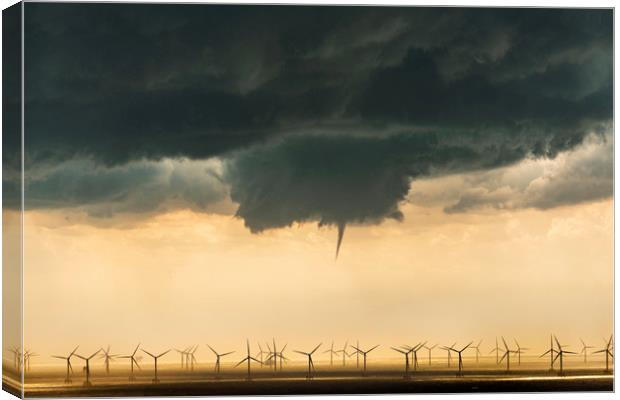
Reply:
x=204, y=383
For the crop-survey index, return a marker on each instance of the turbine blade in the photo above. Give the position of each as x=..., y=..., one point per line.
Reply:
x=241, y=362
x=148, y=353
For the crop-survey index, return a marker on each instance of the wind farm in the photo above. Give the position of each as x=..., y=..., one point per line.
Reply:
x=393, y=372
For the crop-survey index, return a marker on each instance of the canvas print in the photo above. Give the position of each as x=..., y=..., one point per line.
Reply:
x=206, y=199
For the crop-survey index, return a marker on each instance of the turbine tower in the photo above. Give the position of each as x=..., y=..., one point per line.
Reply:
x=183, y=354
x=460, y=353
x=218, y=356
x=107, y=358
x=430, y=356
x=608, y=353
x=506, y=355
x=496, y=350
x=344, y=353
x=477, y=347
x=357, y=354
x=27, y=357
x=560, y=353
x=133, y=360
x=414, y=353
x=275, y=355
x=69, y=367
x=519, y=351
x=364, y=354
x=550, y=351
x=248, y=359
x=406, y=354
x=155, y=358
x=584, y=350
x=447, y=348
x=87, y=369
x=192, y=357
x=261, y=353
x=331, y=352
x=311, y=368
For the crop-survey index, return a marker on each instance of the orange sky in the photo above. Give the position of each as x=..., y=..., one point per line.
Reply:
x=180, y=278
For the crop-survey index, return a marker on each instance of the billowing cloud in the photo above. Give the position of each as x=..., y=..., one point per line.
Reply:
x=137, y=187
x=580, y=175
x=322, y=114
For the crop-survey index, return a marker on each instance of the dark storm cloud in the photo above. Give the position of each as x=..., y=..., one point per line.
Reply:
x=119, y=82
x=322, y=113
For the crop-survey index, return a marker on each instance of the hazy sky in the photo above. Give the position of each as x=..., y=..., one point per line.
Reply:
x=179, y=160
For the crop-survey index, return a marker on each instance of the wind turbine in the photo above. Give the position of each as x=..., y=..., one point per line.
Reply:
x=183, y=354
x=17, y=354
x=192, y=357
x=584, y=350
x=430, y=349
x=506, y=355
x=261, y=353
x=87, y=369
x=248, y=359
x=133, y=360
x=344, y=353
x=519, y=351
x=311, y=368
x=331, y=352
x=107, y=358
x=69, y=367
x=447, y=348
x=27, y=356
x=218, y=365
x=607, y=351
x=460, y=353
x=281, y=355
x=357, y=354
x=560, y=353
x=550, y=351
x=155, y=358
x=275, y=355
x=364, y=354
x=477, y=347
x=406, y=354
x=414, y=353
x=496, y=350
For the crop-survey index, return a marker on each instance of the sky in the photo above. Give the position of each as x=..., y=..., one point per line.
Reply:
x=209, y=173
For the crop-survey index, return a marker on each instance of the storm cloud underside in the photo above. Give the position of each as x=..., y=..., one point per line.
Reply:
x=322, y=114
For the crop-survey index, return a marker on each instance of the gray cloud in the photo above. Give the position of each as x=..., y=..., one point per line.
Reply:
x=580, y=175
x=138, y=187
x=337, y=180
x=319, y=113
